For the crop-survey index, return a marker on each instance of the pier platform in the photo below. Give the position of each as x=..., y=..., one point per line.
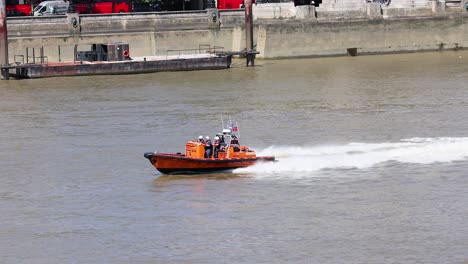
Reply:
x=146, y=64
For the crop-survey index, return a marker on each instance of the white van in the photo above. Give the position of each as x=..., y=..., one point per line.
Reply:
x=51, y=8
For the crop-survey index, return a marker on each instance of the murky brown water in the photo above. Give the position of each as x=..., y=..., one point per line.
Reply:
x=372, y=165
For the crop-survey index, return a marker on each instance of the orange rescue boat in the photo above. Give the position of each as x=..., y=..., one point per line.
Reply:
x=229, y=156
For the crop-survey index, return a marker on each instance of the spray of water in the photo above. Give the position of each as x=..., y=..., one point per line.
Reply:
x=361, y=155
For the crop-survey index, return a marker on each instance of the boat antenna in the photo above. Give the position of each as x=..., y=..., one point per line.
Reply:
x=238, y=130
x=222, y=122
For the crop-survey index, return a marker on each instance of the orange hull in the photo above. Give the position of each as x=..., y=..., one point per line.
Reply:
x=179, y=163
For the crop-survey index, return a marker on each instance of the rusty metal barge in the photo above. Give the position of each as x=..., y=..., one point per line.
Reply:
x=136, y=65
x=114, y=58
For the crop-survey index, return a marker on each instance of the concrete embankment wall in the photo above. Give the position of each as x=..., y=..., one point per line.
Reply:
x=155, y=33
x=298, y=38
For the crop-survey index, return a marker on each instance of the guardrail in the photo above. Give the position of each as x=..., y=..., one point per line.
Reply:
x=202, y=49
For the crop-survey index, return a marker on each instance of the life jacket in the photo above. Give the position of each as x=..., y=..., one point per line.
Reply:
x=216, y=143
x=208, y=144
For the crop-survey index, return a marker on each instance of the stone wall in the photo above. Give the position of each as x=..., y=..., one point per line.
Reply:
x=308, y=33
x=299, y=38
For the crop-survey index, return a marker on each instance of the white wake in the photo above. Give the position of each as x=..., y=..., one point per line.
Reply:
x=361, y=155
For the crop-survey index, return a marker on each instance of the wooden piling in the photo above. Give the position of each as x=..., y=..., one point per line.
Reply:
x=250, y=54
x=4, y=62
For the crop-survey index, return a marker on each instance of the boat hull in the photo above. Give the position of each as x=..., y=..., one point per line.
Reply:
x=180, y=164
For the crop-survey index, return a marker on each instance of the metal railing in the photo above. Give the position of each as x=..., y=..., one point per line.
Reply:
x=202, y=49
x=19, y=59
x=41, y=58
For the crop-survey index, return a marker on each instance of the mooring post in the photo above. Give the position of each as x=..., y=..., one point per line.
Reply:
x=250, y=54
x=5, y=72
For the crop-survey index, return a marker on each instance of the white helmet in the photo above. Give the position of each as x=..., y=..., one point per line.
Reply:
x=200, y=137
x=207, y=137
x=216, y=138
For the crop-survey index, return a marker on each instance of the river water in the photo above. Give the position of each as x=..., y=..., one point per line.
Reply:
x=372, y=164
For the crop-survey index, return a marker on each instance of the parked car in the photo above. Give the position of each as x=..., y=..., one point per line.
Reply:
x=50, y=8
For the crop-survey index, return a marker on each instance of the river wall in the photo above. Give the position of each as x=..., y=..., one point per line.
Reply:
x=305, y=32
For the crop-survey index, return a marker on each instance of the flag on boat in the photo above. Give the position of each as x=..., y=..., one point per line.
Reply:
x=233, y=128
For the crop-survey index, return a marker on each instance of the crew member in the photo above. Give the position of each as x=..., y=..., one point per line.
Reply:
x=208, y=147
x=217, y=146
x=201, y=140
x=222, y=144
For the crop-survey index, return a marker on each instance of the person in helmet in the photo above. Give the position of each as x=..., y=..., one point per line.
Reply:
x=217, y=146
x=222, y=144
x=208, y=147
x=201, y=140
